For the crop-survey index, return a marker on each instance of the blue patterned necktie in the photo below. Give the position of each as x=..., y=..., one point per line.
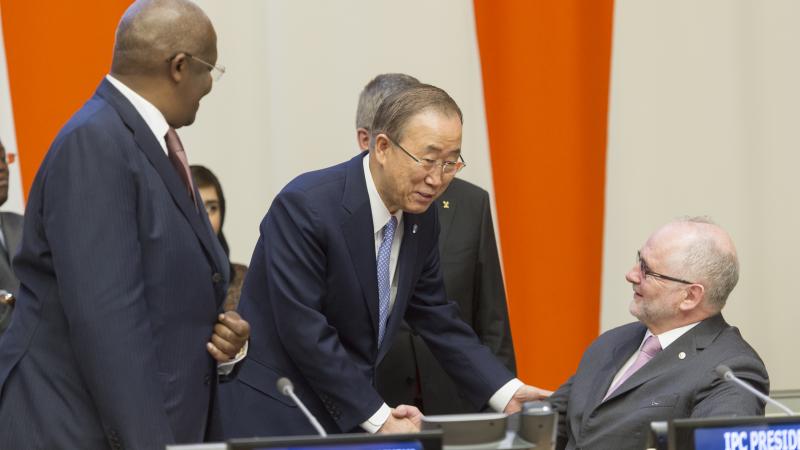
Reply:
x=384, y=277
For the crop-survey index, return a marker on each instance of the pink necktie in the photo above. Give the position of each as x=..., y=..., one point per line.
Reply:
x=650, y=348
x=179, y=161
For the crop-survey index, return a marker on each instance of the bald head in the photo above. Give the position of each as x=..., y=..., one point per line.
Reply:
x=702, y=252
x=152, y=31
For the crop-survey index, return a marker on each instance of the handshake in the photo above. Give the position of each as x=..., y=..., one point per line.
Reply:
x=408, y=419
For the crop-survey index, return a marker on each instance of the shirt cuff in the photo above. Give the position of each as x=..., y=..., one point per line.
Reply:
x=500, y=399
x=374, y=423
x=227, y=367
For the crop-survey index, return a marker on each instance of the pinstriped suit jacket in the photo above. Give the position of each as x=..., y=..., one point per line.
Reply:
x=121, y=281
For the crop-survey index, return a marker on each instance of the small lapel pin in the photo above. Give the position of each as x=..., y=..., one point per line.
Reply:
x=446, y=204
x=414, y=229
x=681, y=355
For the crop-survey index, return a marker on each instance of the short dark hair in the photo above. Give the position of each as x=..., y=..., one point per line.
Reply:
x=397, y=109
x=375, y=91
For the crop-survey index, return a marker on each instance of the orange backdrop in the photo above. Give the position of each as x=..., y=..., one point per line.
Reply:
x=57, y=52
x=545, y=73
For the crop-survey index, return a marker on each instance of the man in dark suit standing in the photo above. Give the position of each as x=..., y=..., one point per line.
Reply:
x=410, y=373
x=345, y=255
x=10, y=235
x=118, y=331
x=662, y=367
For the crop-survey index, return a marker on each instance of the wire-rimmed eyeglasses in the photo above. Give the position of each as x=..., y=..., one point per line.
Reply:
x=449, y=168
x=646, y=271
x=217, y=70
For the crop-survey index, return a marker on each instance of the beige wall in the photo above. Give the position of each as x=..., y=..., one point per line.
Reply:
x=704, y=120
x=295, y=69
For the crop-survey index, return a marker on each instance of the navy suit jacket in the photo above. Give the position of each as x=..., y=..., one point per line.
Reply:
x=678, y=382
x=121, y=282
x=311, y=297
x=473, y=279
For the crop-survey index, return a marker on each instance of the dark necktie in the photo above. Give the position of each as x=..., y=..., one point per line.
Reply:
x=179, y=161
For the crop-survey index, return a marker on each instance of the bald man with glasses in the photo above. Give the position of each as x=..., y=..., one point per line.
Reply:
x=662, y=366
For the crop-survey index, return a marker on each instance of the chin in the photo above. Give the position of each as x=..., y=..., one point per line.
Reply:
x=416, y=208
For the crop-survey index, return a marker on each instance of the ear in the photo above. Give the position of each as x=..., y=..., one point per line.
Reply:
x=362, y=137
x=178, y=67
x=694, y=296
x=382, y=147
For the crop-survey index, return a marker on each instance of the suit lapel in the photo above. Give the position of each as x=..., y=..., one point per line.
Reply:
x=13, y=236
x=621, y=353
x=447, y=205
x=360, y=243
x=682, y=351
x=155, y=154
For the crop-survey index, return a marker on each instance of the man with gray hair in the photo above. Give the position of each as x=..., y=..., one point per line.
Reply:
x=663, y=366
x=118, y=333
x=345, y=255
x=410, y=373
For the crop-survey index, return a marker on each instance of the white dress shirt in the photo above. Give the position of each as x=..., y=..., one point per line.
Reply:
x=381, y=215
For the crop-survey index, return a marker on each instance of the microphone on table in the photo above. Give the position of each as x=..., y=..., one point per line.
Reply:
x=286, y=388
x=727, y=374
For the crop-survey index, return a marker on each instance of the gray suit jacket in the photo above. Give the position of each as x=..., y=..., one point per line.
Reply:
x=669, y=386
x=11, y=224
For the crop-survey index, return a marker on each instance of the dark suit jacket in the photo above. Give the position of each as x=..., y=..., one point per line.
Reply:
x=121, y=282
x=667, y=387
x=311, y=297
x=474, y=280
x=12, y=232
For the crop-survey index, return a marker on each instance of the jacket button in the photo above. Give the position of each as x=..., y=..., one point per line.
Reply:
x=207, y=380
x=216, y=278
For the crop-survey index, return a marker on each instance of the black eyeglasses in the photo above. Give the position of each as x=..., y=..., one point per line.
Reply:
x=646, y=271
x=449, y=168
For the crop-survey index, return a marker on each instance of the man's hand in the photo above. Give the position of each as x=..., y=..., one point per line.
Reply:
x=230, y=334
x=525, y=394
x=408, y=412
x=398, y=425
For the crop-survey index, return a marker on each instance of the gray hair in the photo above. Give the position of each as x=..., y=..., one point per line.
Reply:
x=397, y=109
x=711, y=257
x=151, y=31
x=375, y=91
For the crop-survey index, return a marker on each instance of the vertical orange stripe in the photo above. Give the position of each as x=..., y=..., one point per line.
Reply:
x=546, y=73
x=57, y=52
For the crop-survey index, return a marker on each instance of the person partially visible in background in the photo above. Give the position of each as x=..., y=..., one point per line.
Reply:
x=214, y=202
x=10, y=235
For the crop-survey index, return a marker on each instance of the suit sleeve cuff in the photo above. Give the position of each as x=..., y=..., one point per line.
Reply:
x=500, y=399
x=374, y=423
x=227, y=367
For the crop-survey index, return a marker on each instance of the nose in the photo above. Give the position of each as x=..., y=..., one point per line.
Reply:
x=634, y=276
x=435, y=177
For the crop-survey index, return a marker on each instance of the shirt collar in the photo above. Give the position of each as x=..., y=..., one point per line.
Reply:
x=150, y=114
x=380, y=214
x=668, y=337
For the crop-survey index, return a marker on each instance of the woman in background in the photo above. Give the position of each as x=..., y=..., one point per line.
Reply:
x=214, y=202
